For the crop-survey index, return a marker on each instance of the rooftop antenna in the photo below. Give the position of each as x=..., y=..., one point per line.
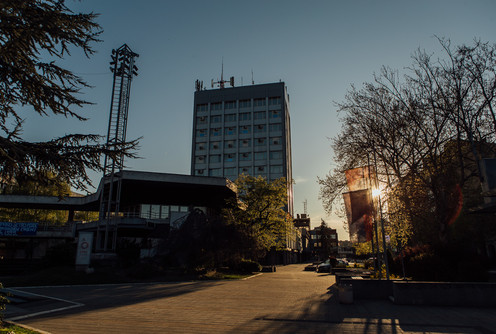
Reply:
x=222, y=74
x=222, y=82
x=198, y=85
x=305, y=206
x=252, y=82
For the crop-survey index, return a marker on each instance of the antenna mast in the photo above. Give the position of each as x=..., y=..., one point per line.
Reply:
x=222, y=82
x=123, y=68
x=222, y=75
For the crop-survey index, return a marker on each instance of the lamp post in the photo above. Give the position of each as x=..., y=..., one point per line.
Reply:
x=384, y=247
x=377, y=192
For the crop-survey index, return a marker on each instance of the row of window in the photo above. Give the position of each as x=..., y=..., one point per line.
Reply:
x=319, y=244
x=231, y=157
x=333, y=236
x=243, y=129
x=233, y=171
x=243, y=143
x=273, y=101
x=244, y=116
x=156, y=211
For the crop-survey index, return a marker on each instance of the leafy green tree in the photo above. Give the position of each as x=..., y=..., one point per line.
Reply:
x=259, y=213
x=34, y=34
x=44, y=185
x=3, y=301
x=86, y=215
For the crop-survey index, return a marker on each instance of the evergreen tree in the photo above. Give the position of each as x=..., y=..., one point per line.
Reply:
x=33, y=35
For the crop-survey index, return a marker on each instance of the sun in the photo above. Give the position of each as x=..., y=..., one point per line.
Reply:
x=376, y=192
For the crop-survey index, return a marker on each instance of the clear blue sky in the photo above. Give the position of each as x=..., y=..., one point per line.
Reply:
x=318, y=48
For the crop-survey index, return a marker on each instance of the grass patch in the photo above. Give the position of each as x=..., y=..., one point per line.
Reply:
x=8, y=328
x=235, y=276
x=221, y=274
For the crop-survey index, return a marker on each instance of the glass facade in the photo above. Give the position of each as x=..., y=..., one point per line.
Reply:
x=155, y=211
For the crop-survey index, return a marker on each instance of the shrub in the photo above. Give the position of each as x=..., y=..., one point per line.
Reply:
x=3, y=302
x=473, y=270
x=369, y=263
x=144, y=270
x=247, y=266
x=63, y=254
x=383, y=273
x=128, y=252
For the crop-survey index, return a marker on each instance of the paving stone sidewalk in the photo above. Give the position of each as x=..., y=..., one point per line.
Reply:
x=289, y=300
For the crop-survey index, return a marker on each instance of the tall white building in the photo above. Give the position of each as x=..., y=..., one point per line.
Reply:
x=243, y=130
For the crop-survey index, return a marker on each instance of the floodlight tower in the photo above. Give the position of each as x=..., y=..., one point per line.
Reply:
x=123, y=68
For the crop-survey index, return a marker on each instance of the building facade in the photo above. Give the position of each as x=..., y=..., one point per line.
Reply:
x=243, y=130
x=323, y=242
x=303, y=225
x=151, y=205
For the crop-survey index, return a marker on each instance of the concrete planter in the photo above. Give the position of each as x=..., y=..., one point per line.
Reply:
x=369, y=288
x=445, y=293
x=345, y=294
x=423, y=293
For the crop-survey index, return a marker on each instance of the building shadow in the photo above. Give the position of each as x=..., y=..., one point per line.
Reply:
x=41, y=300
x=325, y=314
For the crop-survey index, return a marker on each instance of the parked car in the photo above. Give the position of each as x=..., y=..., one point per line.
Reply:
x=342, y=263
x=324, y=267
x=312, y=267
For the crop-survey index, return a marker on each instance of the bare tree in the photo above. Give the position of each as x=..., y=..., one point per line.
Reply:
x=418, y=128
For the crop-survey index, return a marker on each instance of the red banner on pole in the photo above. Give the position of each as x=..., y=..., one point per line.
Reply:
x=359, y=178
x=359, y=211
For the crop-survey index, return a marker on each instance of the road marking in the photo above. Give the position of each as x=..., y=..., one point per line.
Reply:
x=101, y=285
x=74, y=305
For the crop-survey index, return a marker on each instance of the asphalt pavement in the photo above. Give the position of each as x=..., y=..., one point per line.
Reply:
x=289, y=300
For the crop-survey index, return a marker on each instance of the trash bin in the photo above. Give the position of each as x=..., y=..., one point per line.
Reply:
x=345, y=294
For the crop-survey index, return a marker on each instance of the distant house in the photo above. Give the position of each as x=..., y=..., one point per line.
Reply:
x=302, y=224
x=323, y=242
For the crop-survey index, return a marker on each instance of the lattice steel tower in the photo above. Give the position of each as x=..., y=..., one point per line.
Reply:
x=123, y=68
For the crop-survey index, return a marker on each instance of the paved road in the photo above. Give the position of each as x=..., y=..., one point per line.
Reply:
x=287, y=301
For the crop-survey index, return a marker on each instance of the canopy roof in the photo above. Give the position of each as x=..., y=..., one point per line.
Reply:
x=138, y=188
